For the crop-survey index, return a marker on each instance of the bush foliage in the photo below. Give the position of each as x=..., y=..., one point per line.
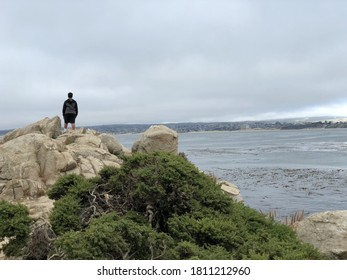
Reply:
x=14, y=228
x=160, y=206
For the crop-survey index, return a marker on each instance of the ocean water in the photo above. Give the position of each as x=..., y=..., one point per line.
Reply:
x=285, y=171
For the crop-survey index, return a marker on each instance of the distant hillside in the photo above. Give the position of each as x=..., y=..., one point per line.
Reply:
x=221, y=126
x=303, y=123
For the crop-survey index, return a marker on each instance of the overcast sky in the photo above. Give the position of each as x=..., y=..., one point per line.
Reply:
x=157, y=61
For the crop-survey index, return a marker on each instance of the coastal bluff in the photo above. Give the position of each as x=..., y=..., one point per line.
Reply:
x=34, y=157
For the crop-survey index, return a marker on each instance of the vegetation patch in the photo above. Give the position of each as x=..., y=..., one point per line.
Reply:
x=160, y=206
x=14, y=228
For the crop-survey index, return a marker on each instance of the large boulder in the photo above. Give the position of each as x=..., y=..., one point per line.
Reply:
x=33, y=158
x=113, y=145
x=157, y=138
x=327, y=232
x=50, y=127
x=29, y=163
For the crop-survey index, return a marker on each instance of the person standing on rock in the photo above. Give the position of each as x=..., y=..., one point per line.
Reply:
x=70, y=111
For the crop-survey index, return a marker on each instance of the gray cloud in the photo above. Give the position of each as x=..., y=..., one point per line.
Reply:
x=172, y=61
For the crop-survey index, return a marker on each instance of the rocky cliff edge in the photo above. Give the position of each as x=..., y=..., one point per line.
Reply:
x=34, y=157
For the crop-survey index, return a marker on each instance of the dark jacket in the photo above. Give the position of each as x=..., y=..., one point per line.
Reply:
x=70, y=107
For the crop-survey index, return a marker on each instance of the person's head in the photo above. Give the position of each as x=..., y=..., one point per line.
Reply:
x=70, y=95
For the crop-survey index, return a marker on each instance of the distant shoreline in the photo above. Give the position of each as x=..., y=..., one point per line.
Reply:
x=220, y=126
x=216, y=126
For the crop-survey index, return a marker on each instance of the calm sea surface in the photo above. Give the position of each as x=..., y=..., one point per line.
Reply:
x=281, y=170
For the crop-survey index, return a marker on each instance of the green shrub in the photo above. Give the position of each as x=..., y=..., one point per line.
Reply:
x=165, y=184
x=14, y=227
x=191, y=251
x=160, y=206
x=107, y=172
x=65, y=216
x=69, y=184
x=114, y=237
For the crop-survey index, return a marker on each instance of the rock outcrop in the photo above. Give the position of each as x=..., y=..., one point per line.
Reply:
x=32, y=159
x=157, y=138
x=327, y=232
x=49, y=127
x=113, y=146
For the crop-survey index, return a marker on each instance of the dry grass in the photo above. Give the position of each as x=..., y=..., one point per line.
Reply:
x=294, y=218
x=289, y=221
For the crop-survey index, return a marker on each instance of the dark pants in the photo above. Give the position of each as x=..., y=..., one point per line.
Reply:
x=69, y=118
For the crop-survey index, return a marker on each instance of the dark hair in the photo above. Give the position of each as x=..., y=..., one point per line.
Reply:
x=70, y=94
